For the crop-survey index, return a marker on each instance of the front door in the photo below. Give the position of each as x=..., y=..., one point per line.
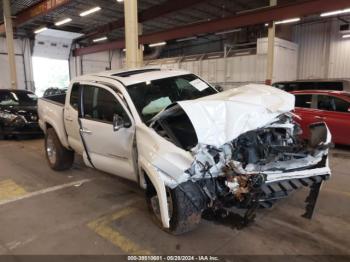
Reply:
x=335, y=112
x=109, y=150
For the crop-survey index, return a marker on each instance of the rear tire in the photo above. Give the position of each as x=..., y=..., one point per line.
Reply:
x=184, y=215
x=58, y=157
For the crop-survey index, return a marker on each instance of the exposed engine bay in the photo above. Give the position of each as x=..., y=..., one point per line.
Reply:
x=255, y=169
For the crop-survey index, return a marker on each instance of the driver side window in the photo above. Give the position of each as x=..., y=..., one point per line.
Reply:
x=101, y=105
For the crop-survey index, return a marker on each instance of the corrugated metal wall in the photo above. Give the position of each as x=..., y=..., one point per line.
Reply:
x=323, y=53
x=239, y=69
x=234, y=70
x=339, y=54
x=23, y=65
x=94, y=63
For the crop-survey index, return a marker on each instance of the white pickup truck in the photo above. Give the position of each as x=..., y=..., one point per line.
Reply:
x=189, y=146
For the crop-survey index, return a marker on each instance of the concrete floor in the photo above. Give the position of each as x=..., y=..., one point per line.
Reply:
x=83, y=211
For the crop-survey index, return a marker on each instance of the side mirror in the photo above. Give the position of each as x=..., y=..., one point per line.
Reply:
x=119, y=122
x=219, y=88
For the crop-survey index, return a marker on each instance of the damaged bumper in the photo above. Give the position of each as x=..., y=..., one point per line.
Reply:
x=258, y=168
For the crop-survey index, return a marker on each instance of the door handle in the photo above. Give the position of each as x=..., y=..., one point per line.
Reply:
x=320, y=118
x=69, y=119
x=85, y=131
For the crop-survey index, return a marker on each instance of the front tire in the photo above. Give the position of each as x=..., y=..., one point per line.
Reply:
x=185, y=213
x=58, y=157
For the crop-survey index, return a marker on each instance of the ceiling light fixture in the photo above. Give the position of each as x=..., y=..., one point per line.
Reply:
x=157, y=44
x=346, y=36
x=229, y=31
x=64, y=21
x=186, y=39
x=338, y=12
x=287, y=21
x=90, y=11
x=40, y=30
x=100, y=39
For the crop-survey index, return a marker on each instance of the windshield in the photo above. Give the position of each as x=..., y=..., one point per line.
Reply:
x=152, y=97
x=15, y=98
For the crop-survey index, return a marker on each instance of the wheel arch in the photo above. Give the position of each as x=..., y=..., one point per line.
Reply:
x=148, y=174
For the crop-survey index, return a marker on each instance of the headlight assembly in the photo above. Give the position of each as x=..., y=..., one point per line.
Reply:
x=8, y=116
x=12, y=119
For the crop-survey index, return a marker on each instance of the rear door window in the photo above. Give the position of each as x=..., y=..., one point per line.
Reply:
x=341, y=105
x=331, y=103
x=74, y=96
x=303, y=101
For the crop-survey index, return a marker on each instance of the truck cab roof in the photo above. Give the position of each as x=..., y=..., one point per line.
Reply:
x=135, y=76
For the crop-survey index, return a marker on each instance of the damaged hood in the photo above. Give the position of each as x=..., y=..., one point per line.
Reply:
x=222, y=117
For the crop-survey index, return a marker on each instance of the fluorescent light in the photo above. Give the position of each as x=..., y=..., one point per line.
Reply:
x=64, y=21
x=186, y=39
x=90, y=11
x=346, y=36
x=338, y=12
x=100, y=39
x=157, y=44
x=120, y=1
x=38, y=31
x=124, y=50
x=242, y=53
x=292, y=20
x=229, y=31
x=190, y=59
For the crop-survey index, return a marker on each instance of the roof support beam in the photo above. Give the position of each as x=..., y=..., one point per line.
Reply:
x=298, y=9
x=39, y=9
x=10, y=43
x=148, y=14
x=271, y=48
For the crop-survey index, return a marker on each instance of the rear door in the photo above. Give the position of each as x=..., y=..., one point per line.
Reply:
x=71, y=116
x=335, y=112
x=110, y=151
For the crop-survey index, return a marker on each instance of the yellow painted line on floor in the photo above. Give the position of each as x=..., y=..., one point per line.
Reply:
x=26, y=195
x=102, y=227
x=10, y=190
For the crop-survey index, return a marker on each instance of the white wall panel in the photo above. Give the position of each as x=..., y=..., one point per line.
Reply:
x=94, y=63
x=23, y=65
x=339, y=54
x=323, y=53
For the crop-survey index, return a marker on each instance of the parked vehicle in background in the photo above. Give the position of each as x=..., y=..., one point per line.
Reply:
x=190, y=147
x=332, y=107
x=336, y=85
x=52, y=91
x=18, y=113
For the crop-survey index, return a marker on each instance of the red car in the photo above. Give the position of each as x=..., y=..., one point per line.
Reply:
x=332, y=107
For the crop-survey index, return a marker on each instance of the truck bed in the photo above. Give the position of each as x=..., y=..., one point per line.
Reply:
x=51, y=114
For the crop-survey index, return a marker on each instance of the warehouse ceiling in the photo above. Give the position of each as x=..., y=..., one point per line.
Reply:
x=112, y=11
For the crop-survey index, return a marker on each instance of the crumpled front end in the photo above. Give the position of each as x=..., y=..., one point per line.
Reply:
x=261, y=166
x=246, y=153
